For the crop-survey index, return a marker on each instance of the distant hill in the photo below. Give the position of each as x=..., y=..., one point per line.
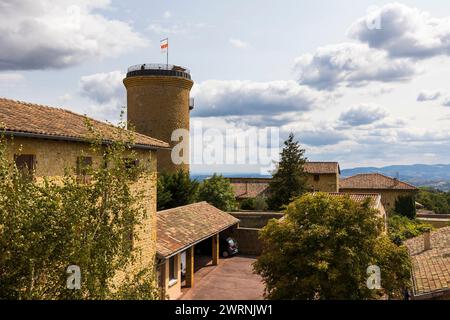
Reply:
x=436, y=176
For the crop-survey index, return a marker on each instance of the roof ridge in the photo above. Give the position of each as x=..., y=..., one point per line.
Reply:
x=114, y=129
x=185, y=206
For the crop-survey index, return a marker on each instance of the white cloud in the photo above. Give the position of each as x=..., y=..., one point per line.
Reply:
x=428, y=95
x=405, y=32
x=238, y=98
x=363, y=114
x=11, y=79
x=350, y=64
x=237, y=43
x=446, y=102
x=107, y=92
x=167, y=14
x=41, y=34
x=103, y=87
x=174, y=28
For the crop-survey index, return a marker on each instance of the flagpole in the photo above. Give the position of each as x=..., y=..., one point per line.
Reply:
x=167, y=55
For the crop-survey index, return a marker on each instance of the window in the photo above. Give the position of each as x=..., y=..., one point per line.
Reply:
x=131, y=166
x=83, y=166
x=173, y=272
x=316, y=177
x=26, y=164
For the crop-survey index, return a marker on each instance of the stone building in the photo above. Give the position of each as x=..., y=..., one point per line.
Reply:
x=323, y=176
x=49, y=140
x=389, y=188
x=158, y=103
x=182, y=229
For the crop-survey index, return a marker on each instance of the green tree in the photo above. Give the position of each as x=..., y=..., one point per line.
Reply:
x=289, y=179
x=176, y=189
x=322, y=248
x=434, y=200
x=406, y=206
x=217, y=191
x=45, y=226
x=402, y=228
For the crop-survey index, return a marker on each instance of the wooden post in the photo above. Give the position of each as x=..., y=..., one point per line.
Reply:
x=215, y=249
x=190, y=267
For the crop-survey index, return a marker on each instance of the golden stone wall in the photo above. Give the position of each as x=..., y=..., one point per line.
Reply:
x=156, y=106
x=53, y=157
x=326, y=182
x=388, y=197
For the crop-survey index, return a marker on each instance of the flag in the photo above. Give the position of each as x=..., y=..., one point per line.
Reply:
x=164, y=45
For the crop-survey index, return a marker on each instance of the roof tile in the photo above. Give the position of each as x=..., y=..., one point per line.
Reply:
x=29, y=118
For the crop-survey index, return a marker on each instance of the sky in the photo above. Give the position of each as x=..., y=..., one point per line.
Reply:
x=362, y=82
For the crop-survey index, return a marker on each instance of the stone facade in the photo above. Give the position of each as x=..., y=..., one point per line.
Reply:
x=388, y=197
x=52, y=157
x=158, y=105
x=324, y=182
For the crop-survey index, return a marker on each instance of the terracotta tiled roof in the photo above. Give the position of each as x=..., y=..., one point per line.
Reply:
x=374, y=181
x=321, y=167
x=431, y=268
x=359, y=197
x=22, y=118
x=180, y=228
x=250, y=187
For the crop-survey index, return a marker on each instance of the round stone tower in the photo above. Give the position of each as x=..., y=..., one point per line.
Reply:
x=158, y=103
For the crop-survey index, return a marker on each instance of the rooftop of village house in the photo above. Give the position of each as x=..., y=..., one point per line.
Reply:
x=182, y=227
x=431, y=268
x=374, y=181
x=33, y=120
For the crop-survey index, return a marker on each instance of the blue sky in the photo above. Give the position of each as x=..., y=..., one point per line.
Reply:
x=353, y=94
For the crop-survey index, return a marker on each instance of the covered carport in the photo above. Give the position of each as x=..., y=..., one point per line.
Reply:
x=179, y=230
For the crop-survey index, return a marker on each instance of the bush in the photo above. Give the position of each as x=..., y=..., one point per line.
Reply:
x=401, y=228
x=248, y=204
x=261, y=204
x=434, y=200
x=218, y=192
x=406, y=206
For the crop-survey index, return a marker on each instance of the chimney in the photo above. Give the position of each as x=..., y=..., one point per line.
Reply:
x=427, y=240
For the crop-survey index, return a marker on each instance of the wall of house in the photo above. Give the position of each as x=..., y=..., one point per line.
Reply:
x=248, y=241
x=53, y=157
x=172, y=290
x=326, y=182
x=388, y=197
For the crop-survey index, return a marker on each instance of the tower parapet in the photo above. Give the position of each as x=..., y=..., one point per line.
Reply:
x=158, y=103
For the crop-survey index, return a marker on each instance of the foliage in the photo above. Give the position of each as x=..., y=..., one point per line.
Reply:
x=406, y=206
x=176, y=189
x=402, y=228
x=248, y=204
x=322, y=248
x=289, y=179
x=261, y=204
x=218, y=192
x=47, y=225
x=434, y=200
x=257, y=204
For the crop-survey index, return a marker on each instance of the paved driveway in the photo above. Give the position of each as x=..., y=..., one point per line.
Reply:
x=232, y=279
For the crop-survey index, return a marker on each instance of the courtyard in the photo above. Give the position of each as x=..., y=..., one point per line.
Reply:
x=231, y=279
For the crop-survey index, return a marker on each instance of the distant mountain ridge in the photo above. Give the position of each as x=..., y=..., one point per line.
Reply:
x=436, y=175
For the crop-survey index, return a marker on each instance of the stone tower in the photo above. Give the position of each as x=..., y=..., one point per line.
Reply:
x=158, y=103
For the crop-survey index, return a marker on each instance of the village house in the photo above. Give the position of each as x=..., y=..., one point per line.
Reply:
x=430, y=256
x=180, y=232
x=321, y=176
x=389, y=188
x=46, y=141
